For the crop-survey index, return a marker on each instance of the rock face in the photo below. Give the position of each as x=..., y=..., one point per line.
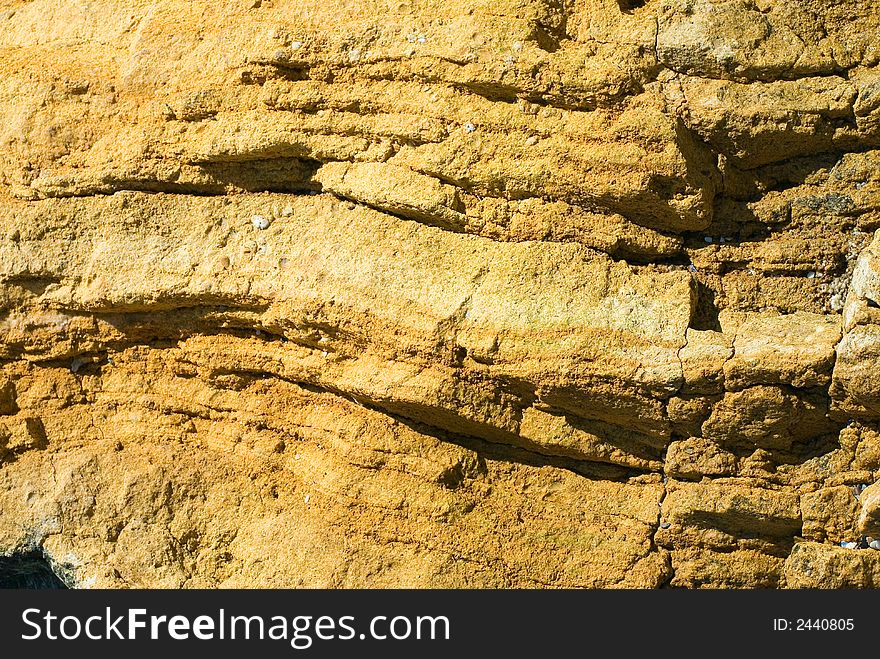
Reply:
x=441, y=294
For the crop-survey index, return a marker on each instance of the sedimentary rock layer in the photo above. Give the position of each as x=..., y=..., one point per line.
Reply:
x=482, y=294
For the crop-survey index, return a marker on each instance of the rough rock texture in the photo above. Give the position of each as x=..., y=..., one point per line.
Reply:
x=465, y=293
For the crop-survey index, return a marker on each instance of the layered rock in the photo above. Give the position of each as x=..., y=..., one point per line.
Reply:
x=440, y=294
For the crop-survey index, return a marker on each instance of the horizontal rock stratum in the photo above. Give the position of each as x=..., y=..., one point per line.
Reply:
x=441, y=294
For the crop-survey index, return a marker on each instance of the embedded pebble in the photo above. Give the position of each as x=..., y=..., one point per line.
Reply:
x=532, y=141
x=517, y=46
x=848, y=545
x=665, y=525
x=260, y=222
x=692, y=268
x=811, y=274
x=469, y=128
x=422, y=38
x=708, y=239
x=354, y=54
x=296, y=45
x=874, y=544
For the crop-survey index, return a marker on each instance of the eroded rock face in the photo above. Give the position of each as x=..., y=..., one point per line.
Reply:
x=466, y=293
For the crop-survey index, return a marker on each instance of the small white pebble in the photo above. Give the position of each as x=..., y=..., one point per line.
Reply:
x=260, y=222
x=411, y=37
x=665, y=525
x=307, y=498
x=708, y=239
x=848, y=545
x=517, y=46
x=354, y=54
x=874, y=544
x=288, y=211
x=692, y=268
x=532, y=141
x=469, y=128
x=811, y=274
x=259, y=333
x=324, y=353
x=752, y=271
x=296, y=45
x=721, y=240
x=422, y=38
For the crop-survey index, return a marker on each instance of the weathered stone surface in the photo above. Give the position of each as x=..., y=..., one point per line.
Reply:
x=766, y=417
x=697, y=457
x=192, y=500
x=814, y=565
x=446, y=294
x=869, y=514
x=858, y=354
x=728, y=515
x=734, y=569
x=830, y=514
x=795, y=349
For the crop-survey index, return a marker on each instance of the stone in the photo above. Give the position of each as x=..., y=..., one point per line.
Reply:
x=869, y=512
x=445, y=294
x=796, y=349
x=694, y=458
x=815, y=565
x=830, y=514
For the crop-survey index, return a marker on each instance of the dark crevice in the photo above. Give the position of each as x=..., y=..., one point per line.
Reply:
x=705, y=314
x=627, y=6
x=30, y=570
